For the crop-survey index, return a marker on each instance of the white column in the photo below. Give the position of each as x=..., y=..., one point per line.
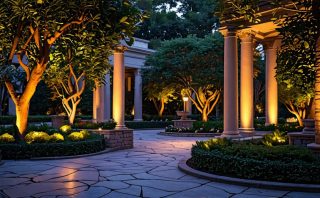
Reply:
x=118, y=101
x=270, y=47
x=107, y=98
x=98, y=103
x=137, y=95
x=230, y=106
x=246, y=84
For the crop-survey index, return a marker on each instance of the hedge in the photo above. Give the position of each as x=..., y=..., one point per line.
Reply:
x=147, y=124
x=26, y=151
x=281, y=163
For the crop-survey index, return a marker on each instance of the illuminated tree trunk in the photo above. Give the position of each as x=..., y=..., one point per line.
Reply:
x=317, y=93
x=22, y=112
x=204, y=115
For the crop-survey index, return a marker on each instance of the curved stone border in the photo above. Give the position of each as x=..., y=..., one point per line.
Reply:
x=107, y=150
x=189, y=134
x=247, y=182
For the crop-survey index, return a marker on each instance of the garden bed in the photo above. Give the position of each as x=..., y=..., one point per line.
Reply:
x=50, y=149
x=253, y=161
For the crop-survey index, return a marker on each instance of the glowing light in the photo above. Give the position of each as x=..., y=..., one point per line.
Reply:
x=185, y=99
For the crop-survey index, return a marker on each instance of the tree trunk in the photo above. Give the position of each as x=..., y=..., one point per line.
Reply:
x=72, y=115
x=22, y=112
x=162, y=108
x=299, y=120
x=317, y=93
x=204, y=116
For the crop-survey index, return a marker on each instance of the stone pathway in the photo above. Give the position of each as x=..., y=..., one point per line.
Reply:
x=148, y=170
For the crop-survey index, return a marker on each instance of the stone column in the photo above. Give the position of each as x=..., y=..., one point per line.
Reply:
x=230, y=99
x=189, y=107
x=246, y=83
x=98, y=103
x=107, y=98
x=270, y=47
x=118, y=101
x=137, y=95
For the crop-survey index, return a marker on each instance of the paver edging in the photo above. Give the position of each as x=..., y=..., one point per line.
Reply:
x=182, y=165
x=178, y=134
x=107, y=150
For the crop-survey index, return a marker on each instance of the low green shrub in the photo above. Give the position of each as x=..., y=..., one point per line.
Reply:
x=147, y=124
x=36, y=137
x=246, y=160
x=210, y=126
x=90, y=125
x=6, y=138
x=56, y=137
x=275, y=138
x=65, y=128
x=94, y=144
x=76, y=136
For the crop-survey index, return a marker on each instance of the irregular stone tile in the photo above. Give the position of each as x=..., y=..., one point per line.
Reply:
x=164, y=185
x=109, y=173
x=250, y=196
x=148, y=176
x=53, y=173
x=69, y=192
x=120, y=177
x=264, y=192
x=132, y=190
x=302, y=194
x=173, y=174
x=93, y=192
x=204, y=191
x=152, y=192
x=36, y=188
x=228, y=187
x=193, y=179
x=115, y=194
x=114, y=185
x=12, y=181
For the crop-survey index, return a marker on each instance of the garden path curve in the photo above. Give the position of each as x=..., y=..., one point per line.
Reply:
x=148, y=170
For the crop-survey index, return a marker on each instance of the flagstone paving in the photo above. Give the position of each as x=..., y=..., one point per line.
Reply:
x=148, y=170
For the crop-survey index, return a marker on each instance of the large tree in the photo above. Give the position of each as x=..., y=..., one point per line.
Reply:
x=194, y=66
x=30, y=28
x=76, y=64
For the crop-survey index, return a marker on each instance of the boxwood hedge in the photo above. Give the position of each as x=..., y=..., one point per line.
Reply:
x=278, y=163
x=25, y=151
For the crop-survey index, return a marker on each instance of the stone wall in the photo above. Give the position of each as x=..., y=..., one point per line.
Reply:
x=300, y=139
x=118, y=139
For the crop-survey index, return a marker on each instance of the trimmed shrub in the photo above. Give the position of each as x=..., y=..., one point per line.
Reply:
x=56, y=137
x=76, y=136
x=96, y=143
x=148, y=124
x=65, y=128
x=6, y=138
x=245, y=160
x=37, y=137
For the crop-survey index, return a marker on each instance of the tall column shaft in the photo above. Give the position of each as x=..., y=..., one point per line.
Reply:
x=98, y=103
x=246, y=84
x=118, y=101
x=107, y=98
x=137, y=95
x=230, y=99
x=271, y=82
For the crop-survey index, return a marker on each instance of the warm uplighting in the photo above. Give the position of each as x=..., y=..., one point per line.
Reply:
x=65, y=128
x=100, y=129
x=292, y=120
x=185, y=99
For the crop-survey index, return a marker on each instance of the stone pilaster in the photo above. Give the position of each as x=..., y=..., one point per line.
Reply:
x=137, y=95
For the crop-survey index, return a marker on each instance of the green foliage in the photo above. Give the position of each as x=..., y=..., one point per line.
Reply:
x=275, y=138
x=213, y=143
x=56, y=137
x=89, y=125
x=65, y=128
x=210, y=126
x=37, y=137
x=6, y=138
x=148, y=124
x=278, y=163
x=94, y=144
x=174, y=19
x=76, y=136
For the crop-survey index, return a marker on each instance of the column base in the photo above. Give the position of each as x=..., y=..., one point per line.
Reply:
x=120, y=127
x=230, y=134
x=246, y=132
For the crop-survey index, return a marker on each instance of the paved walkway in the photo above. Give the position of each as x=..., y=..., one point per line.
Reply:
x=148, y=170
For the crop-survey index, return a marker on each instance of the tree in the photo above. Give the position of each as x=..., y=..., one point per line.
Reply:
x=170, y=19
x=193, y=65
x=85, y=60
x=31, y=28
x=296, y=101
x=160, y=94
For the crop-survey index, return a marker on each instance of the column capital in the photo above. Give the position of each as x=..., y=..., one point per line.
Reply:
x=228, y=32
x=271, y=43
x=246, y=35
x=119, y=49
